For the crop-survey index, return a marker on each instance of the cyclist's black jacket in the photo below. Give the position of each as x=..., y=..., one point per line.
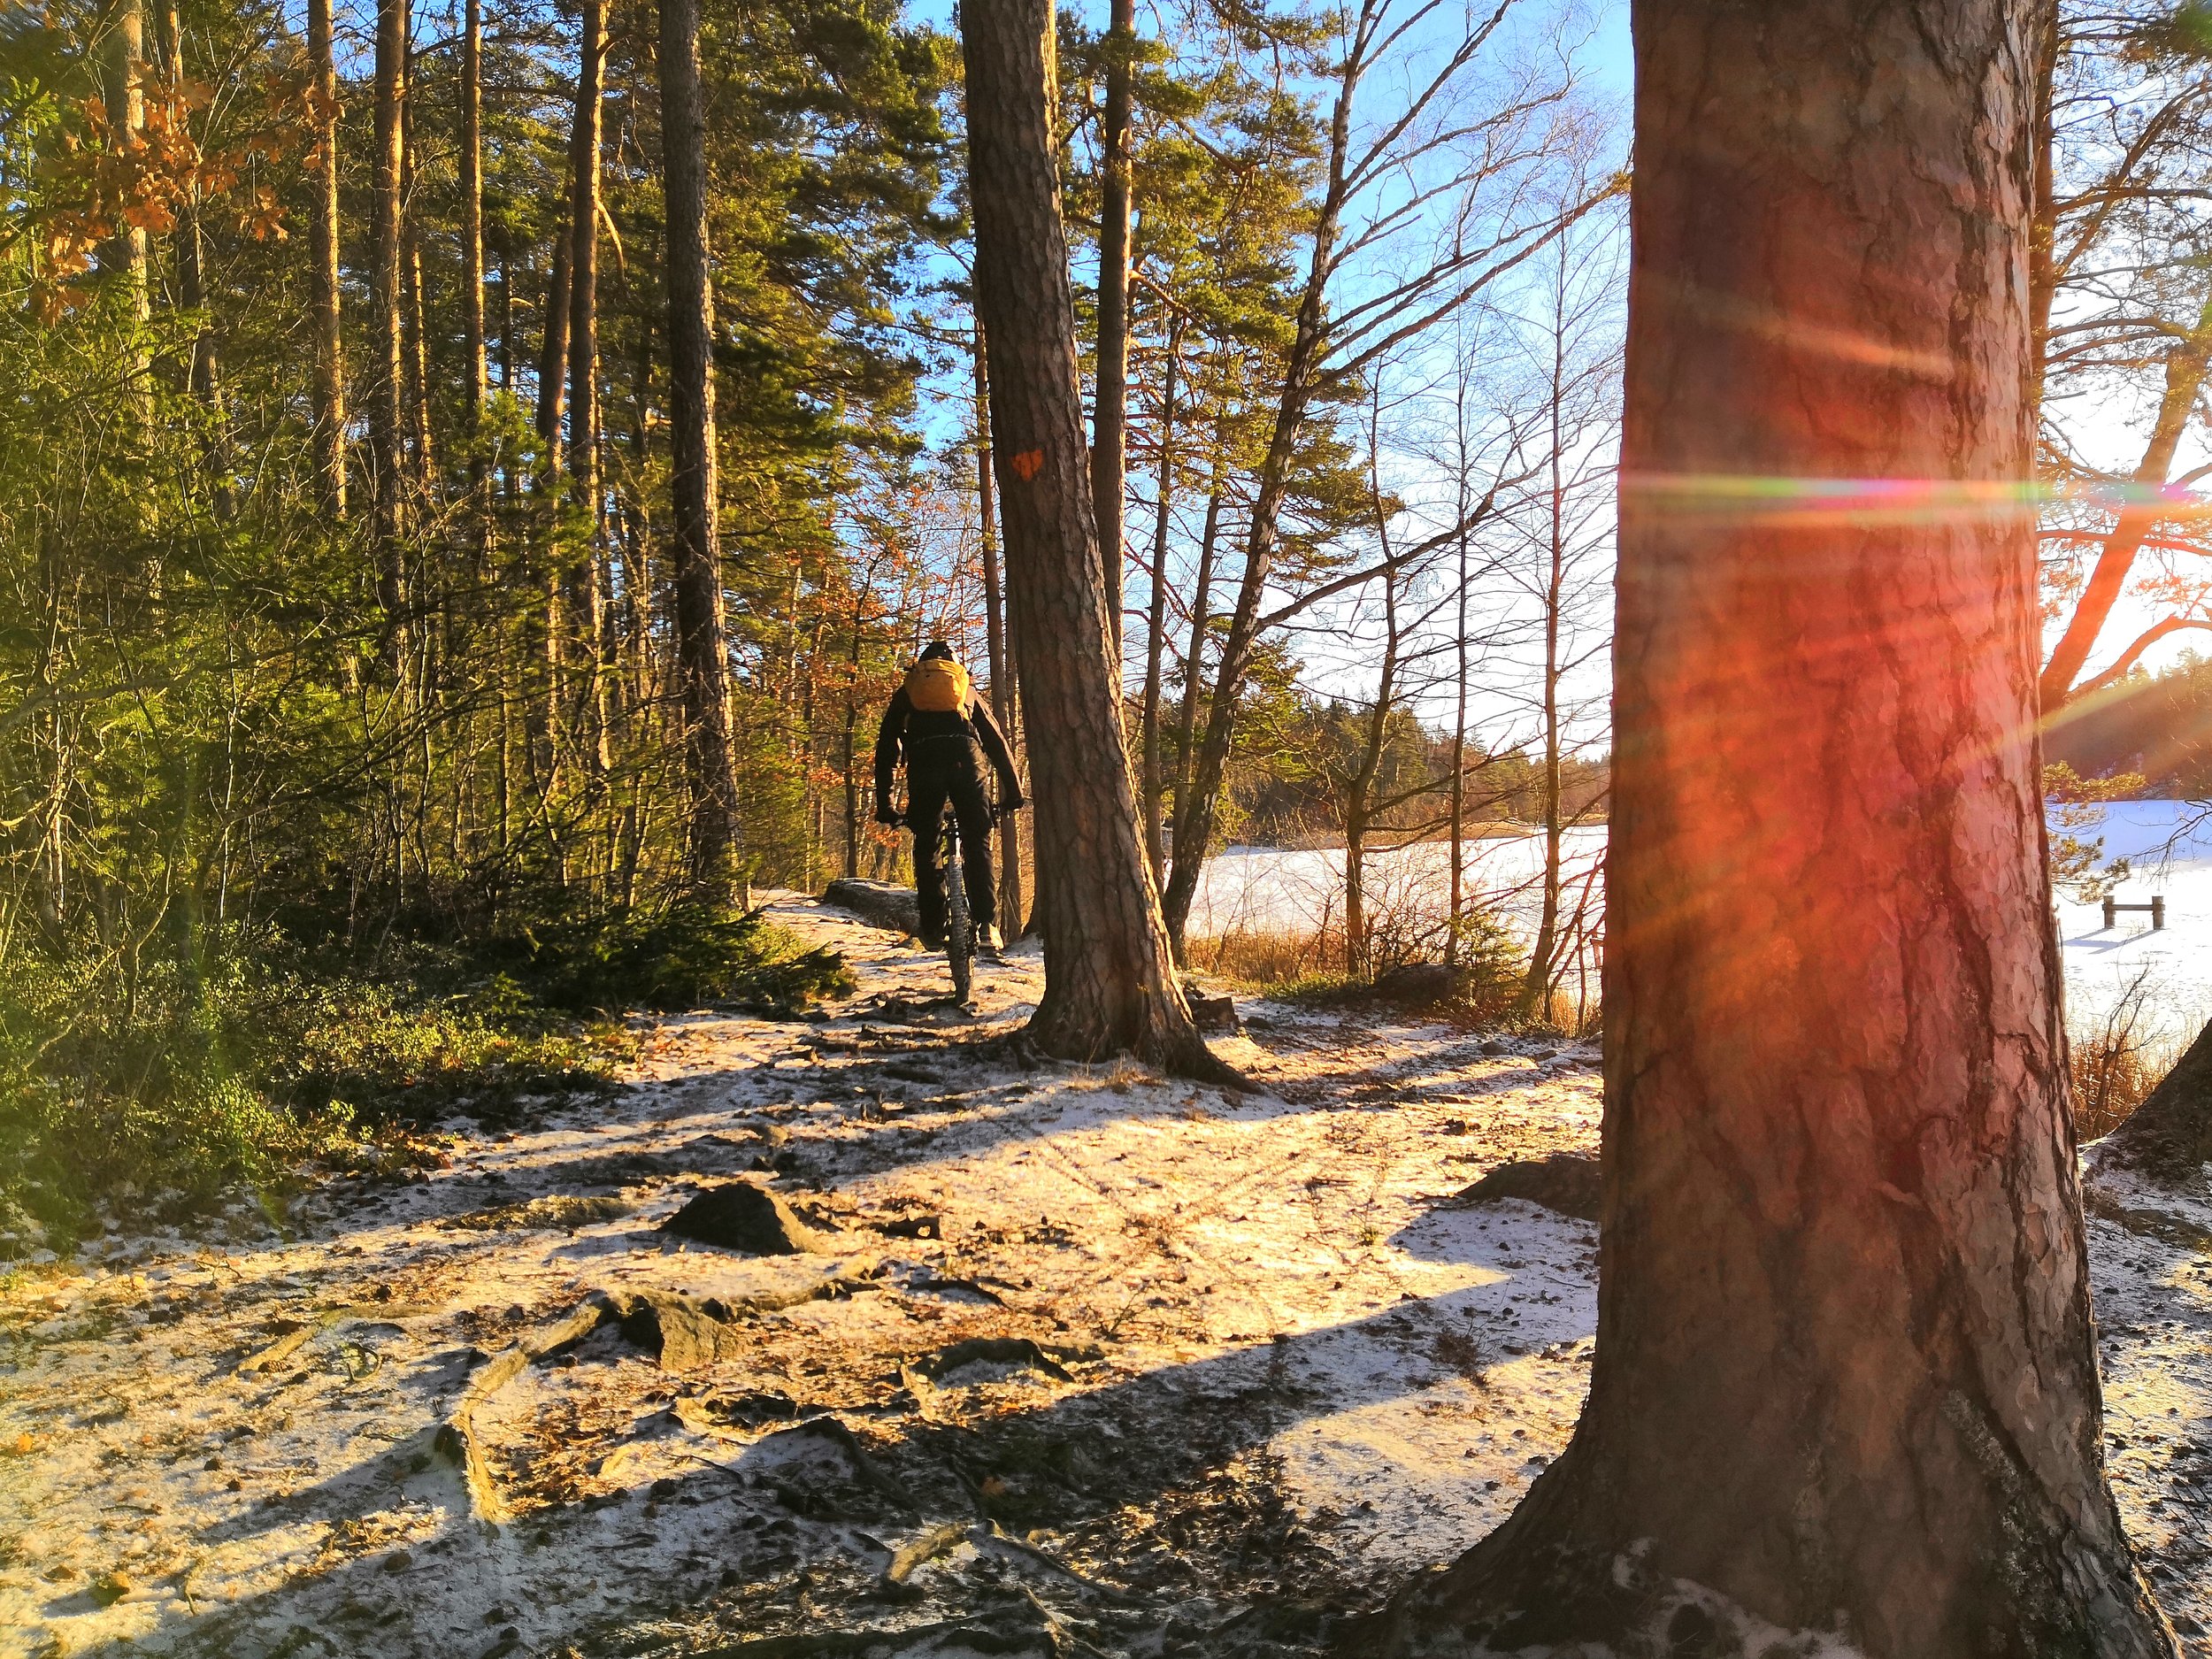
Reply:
x=906, y=728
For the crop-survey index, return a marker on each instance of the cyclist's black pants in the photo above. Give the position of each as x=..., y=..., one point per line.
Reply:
x=940, y=769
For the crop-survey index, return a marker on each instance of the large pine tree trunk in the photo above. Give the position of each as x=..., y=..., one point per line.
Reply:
x=330, y=375
x=703, y=657
x=1109, y=985
x=1844, y=1372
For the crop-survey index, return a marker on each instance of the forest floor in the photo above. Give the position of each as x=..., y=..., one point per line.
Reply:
x=1078, y=1361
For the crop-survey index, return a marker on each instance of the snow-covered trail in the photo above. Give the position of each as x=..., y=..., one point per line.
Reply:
x=1266, y=1364
x=1089, y=1357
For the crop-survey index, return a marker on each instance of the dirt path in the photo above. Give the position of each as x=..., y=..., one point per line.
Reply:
x=1084, y=1361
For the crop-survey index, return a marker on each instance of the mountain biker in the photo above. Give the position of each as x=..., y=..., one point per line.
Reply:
x=937, y=719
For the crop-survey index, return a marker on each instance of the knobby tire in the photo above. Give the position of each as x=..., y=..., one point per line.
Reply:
x=959, y=937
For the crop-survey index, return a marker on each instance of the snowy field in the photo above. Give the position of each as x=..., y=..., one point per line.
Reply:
x=2168, y=848
x=2167, y=844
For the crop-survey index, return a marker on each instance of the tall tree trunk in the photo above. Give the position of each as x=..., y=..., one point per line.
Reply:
x=330, y=373
x=2043, y=226
x=476, y=366
x=1156, y=621
x=850, y=754
x=123, y=90
x=553, y=361
x=1110, y=412
x=387, y=416
x=583, y=370
x=1845, y=1374
x=506, y=333
x=1359, y=794
x=1012, y=913
x=552, y=399
x=1202, y=797
x=1110, y=984
x=416, y=304
x=205, y=376
x=1194, y=658
x=701, y=655
x=1457, y=898
x=1535, y=994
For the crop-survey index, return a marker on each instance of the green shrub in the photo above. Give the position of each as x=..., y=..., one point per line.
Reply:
x=180, y=1082
x=680, y=956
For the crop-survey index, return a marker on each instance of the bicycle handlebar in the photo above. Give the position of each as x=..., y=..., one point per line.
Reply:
x=901, y=820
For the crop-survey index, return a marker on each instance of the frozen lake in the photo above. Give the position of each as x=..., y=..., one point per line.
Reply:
x=2168, y=843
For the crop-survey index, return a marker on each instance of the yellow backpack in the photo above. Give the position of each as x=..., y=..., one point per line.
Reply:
x=938, y=686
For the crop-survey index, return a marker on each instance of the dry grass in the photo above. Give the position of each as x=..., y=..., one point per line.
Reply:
x=1285, y=962
x=1270, y=959
x=2115, y=1063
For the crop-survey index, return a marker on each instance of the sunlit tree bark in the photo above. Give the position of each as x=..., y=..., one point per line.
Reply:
x=472, y=160
x=387, y=371
x=1109, y=985
x=703, y=655
x=1110, y=410
x=330, y=376
x=585, y=597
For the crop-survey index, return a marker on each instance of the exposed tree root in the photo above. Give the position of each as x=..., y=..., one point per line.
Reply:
x=457, y=1441
x=1541, y=1581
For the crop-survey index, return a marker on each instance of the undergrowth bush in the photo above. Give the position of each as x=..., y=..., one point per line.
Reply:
x=1482, y=986
x=677, y=957
x=166, y=1089
x=2114, y=1060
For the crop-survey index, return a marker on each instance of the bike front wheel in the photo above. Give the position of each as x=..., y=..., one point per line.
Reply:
x=959, y=935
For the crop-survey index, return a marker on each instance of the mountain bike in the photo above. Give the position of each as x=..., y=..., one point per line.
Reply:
x=959, y=925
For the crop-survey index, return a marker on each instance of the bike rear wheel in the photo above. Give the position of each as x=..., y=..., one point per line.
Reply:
x=959, y=936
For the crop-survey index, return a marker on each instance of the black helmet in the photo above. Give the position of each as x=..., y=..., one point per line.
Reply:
x=936, y=650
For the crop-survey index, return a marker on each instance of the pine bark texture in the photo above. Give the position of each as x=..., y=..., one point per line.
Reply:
x=1844, y=1372
x=1109, y=985
x=330, y=374
x=703, y=657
